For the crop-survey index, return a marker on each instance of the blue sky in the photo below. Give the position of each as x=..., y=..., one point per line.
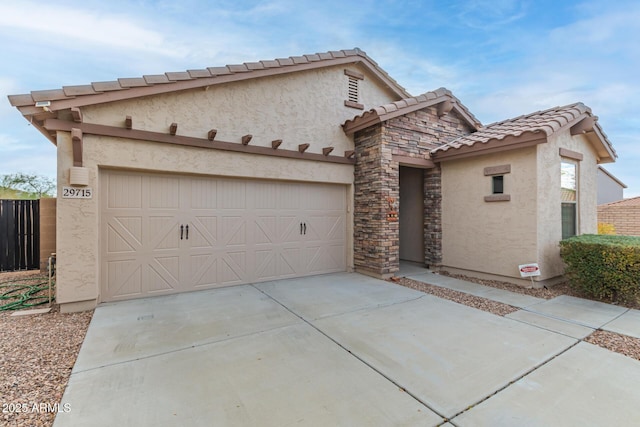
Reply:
x=501, y=58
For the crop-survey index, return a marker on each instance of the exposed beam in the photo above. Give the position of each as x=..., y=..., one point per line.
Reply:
x=53, y=125
x=417, y=162
x=211, y=135
x=444, y=107
x=583, y=126
x=128, y=122
x=327, y=150
x=76, y=114
x=76, y=142
x=349, y=154
x=276, y=143
x=246, y=139
x=173, y=128
x=303, y=147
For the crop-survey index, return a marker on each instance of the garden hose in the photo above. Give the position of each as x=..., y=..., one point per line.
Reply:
x=23, y=293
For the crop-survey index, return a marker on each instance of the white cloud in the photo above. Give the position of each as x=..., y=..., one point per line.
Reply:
x=74, y=27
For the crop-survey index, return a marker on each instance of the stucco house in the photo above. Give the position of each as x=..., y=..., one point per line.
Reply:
x=298, y=166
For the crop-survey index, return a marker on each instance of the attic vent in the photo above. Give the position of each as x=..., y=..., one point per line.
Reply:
x=353, y=91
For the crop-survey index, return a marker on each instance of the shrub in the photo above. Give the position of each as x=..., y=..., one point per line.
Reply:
x=603, y=266
x=606, y=228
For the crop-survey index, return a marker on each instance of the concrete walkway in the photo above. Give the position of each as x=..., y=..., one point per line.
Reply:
x=342, y=349
x=575, y=317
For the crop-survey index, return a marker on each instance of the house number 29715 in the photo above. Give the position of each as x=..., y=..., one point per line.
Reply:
x=76, y=193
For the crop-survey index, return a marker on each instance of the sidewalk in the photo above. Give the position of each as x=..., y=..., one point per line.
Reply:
x=571, y=316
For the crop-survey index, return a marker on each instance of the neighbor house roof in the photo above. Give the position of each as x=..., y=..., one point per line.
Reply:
x=610, y=175
x=441, y=97
x=633, y=201
x=51, y=101
x=530, y=129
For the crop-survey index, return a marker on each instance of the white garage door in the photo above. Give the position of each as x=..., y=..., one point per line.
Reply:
x=163, y=234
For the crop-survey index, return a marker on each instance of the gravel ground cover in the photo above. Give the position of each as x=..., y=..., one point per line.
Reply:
x=37, y=352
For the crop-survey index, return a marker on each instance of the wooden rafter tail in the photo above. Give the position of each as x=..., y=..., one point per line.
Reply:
x=327, y=150
x=173, y=128
x=76, y=114
x=349, y=154
x=303, y=147
x=246, y=139
x=128, y=122
x=276, y=143
x=76, y=142
x=211, y=135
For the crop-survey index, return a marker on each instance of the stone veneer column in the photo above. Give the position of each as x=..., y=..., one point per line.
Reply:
x=376, y=236
x=433, y=217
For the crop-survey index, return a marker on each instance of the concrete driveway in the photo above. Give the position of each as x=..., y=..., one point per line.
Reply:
x=337, y=350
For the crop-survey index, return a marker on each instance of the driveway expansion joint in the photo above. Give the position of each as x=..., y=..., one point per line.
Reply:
x=400, y=386
x=184, y=348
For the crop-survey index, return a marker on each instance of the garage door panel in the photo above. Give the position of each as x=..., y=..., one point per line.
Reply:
x=163, y=192
x=164, y=233
x=204, y=270
x=232, y=194
x=204, y=194
x=163, y=275
x=240, y=231
x=120, y=240
x=232, y=268
x=266, y=265
x=203, y=232
x=123, y=278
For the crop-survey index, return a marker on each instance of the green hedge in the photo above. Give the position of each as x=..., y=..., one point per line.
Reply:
x=606, y=267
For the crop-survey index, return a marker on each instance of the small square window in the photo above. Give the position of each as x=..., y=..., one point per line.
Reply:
x=498, y=184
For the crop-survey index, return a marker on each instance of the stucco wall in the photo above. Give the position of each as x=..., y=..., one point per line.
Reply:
x=489, y=237
x=78, y=219
x=549, y=212
x=302, y=107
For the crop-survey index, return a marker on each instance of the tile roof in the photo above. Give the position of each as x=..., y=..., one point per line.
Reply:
x=97, y=91
x=543, y=123
x=633, y=201
x=407, y=105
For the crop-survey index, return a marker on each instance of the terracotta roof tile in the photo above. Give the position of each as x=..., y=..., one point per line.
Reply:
x=407, y=105
x=79, y=90
x=106, y=86
x=198, y=74
x=285, y=61
x=254, y=65
x=219, y=71
x=156, y=79
x=76, y=93
x=270, y=64
x=178, y=76
x=25, y=99
x=633, y=201
x=547, y=121
x=132, y=82
x=48, y=95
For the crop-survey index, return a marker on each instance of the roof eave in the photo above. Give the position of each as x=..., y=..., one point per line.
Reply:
x=123, y=89
x=526, y=139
